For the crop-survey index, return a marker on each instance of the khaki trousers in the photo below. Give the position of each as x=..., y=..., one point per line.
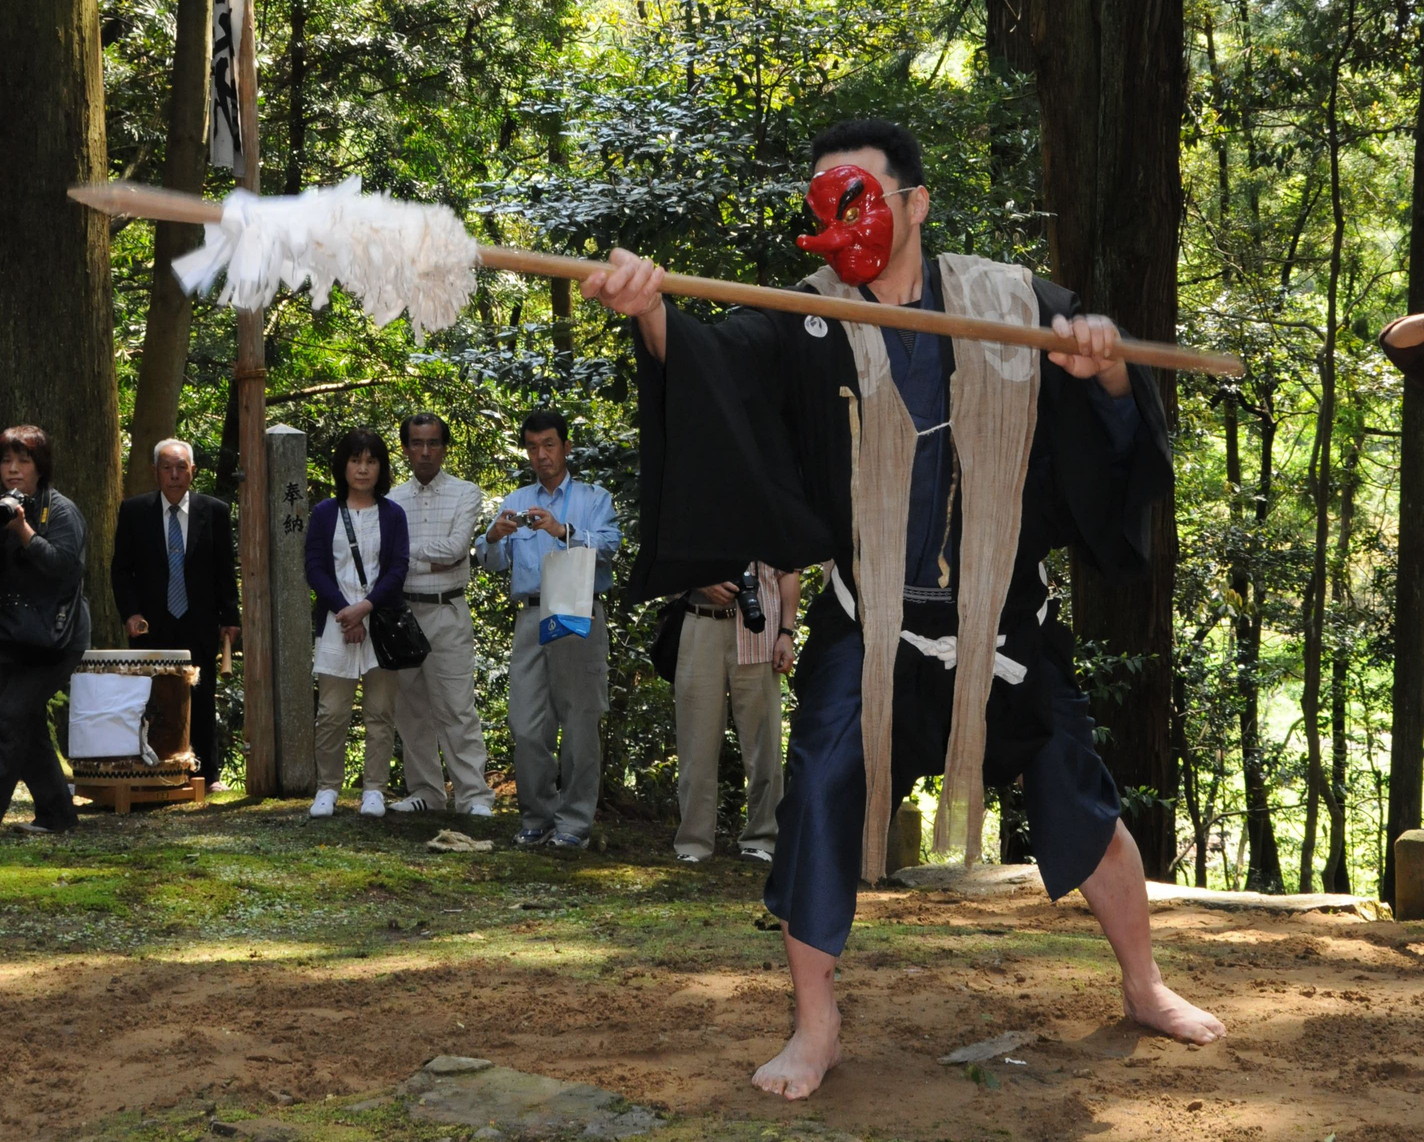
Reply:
x=707, y=675
x=557, y=694
x=335, y=698
x=436, y=713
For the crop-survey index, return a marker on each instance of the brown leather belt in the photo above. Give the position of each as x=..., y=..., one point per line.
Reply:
x=712, y=612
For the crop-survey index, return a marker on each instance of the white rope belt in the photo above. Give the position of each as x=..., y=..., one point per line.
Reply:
x=946, y=649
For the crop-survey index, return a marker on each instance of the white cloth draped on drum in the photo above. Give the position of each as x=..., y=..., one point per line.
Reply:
x=129, y=713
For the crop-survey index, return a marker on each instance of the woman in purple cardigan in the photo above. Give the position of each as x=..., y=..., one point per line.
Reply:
x=357, y=552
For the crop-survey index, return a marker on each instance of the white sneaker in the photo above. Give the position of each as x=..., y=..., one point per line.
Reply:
x=409, y=805
x=373, y=803
x=324, y=804
x=478, y=809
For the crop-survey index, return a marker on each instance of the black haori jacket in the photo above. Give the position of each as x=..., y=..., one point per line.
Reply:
x=746, y=446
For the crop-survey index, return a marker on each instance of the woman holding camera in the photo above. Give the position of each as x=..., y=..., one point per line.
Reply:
x=44, y=621
x=358, y=550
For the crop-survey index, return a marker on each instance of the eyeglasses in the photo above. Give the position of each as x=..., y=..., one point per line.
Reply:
x=813, y=221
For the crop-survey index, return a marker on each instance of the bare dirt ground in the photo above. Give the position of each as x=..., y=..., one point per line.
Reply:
x=1325, y=1013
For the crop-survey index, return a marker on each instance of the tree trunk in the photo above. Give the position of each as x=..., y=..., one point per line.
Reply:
x=1336, y=875
x=1111, y=83
x=295, y=171
x=170, y=310
x=1008, y=34
x=1263, y=870
x=1008, y=46
x=1322, y=480
x=1406, y=751
x=56, y=315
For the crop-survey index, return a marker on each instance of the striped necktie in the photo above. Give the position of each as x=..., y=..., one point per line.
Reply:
x=177, y=588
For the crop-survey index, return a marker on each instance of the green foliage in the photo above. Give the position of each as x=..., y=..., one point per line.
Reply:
x=237, y=875
x=681, y=131
x=1255, y=254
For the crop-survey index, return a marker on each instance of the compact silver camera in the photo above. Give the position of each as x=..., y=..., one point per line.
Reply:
x=520, y=519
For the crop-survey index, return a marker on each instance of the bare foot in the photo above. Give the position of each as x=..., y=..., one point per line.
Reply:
x=1162, y=1009
x=802, y=1064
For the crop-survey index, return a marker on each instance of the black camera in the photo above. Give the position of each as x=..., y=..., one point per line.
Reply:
x=12, y=500
x=749, y=603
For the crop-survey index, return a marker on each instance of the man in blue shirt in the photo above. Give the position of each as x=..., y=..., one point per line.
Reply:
x=559, y=685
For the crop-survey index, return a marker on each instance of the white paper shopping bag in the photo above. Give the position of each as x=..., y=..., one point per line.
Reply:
x=566, y=593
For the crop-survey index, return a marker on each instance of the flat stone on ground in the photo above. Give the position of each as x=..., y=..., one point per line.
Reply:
x=515, y=1101
x=456, y=1065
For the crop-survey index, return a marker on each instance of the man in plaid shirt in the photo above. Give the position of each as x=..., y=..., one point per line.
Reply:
x=435, y=712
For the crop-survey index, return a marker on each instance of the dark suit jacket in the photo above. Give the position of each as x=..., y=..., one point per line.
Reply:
x=139, y=571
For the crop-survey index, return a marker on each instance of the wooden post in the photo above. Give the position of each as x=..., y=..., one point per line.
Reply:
x=251, y=381
x=1409, y=875
x=294, y=727
x=902, y=844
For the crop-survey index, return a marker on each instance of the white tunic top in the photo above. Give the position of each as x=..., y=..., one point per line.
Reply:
x=332, y=654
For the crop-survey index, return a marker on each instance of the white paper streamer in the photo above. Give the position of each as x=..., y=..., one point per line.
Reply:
x=389, y=255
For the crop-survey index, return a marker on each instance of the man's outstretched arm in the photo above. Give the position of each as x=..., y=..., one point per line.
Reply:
x=630, y=286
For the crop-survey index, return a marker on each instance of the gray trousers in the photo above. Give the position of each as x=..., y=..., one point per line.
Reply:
x=561, y=685
x=707, y=674
x=436, y=714
x=335, y=698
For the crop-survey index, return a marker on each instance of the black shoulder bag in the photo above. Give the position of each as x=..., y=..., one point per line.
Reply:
x=399, y=642
x=667, y=636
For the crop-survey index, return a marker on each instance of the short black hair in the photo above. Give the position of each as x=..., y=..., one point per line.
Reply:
x=542, y=421
x=422, y=419
x=355, y=442
x=901, y=149
x=32, y=441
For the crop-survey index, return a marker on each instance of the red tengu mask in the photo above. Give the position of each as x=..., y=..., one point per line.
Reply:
x=855, y=226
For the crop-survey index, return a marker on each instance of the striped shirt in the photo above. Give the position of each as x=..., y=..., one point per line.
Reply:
x=442, y=516
x=757, y=648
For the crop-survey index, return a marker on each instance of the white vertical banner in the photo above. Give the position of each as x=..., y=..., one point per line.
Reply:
x=225, y=136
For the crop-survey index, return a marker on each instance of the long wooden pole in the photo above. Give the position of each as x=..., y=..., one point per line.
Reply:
x=251, y=380
x=151, y=202
x=1160, y=353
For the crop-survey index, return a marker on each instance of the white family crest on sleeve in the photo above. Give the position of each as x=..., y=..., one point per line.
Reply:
x=815, y=326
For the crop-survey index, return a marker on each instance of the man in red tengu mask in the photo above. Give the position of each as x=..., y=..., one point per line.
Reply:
x=935, y=647
x=854, y=225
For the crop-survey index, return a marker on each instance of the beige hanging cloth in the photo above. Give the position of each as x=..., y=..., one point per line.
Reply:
x=994, y=400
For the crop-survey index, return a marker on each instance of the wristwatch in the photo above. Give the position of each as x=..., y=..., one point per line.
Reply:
x=787, y=631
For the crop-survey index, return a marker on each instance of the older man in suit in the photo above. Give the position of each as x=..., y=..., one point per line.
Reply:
x=175, y=584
